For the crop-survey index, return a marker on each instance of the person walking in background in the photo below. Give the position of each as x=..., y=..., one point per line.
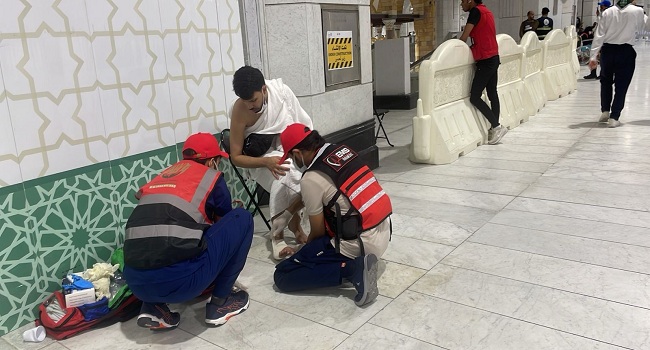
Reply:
x=614, y=40
x=529, y=25
x=602, y=6
x=544, y=25
x=481, y=30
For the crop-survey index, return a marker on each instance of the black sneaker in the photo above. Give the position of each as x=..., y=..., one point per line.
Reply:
x=590, y=76
x=235, y=304
x=364, y=279
x=157, y=317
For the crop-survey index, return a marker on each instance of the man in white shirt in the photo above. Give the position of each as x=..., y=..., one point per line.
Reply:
x=262, y=111
x=614, y=38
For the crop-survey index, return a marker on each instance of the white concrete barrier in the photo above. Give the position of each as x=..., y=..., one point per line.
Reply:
x=446, y=123
x=572, y=35
x=532, y=72
x=559, y=78
x=511, y=90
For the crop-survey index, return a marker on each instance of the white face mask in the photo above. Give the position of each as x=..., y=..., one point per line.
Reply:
x=264, y=105
x=304, y=166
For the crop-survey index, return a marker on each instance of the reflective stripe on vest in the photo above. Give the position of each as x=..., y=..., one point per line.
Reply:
x=367, y=197
x=169, y=220
x=356, y=182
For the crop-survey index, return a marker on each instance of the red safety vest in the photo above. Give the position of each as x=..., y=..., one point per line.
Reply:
x=358, y=184
x=167, y=224
x=186, y=179
x=484, y=36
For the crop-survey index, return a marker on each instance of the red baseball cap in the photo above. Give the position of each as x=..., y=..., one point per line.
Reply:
x=205, y=145
x=291, y=137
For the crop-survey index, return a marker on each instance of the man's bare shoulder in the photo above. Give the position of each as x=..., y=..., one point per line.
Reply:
x=243, y=115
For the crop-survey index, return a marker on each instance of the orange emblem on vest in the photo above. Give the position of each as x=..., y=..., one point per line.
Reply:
x=174, y=170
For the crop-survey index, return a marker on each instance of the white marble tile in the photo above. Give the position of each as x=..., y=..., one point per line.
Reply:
x=14, y=339
x=592, y=181
x=396, y=278
x=597, y=177
x=130, y=114
x=414, y=252
x=353, y=106
x=430, y=230
x=287, y=46
x=589, y=317
x=455, y=326
x=530, y=149
x=231, y=54
x=617, y=157
x=578, y=227
x=594, y=147
x=481, y=200
x=371, y=337
x=128, y=335
x=333, y=307
x=464, y=217
x=586, y=197
x=486, y=153
x=519, y=140
x=603, y=253
x=623, y=140
x=532, y=167
x=10, y=165
x=547, y=134
x=604, y=165
x=582, y=211
x=591, y=280
x=458, y=170
x=463, y=183
x=261, y=326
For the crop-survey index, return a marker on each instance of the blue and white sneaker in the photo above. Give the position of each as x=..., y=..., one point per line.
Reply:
x=236, y=303
x=158, y=317
x=364, y=279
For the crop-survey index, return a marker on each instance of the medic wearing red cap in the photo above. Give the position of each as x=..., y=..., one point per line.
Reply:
x=184, y=236
x=349, y=217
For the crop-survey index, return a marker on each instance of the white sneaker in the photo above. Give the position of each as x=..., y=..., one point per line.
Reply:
x=613, y=123
x=603, y=117
x=497, y=135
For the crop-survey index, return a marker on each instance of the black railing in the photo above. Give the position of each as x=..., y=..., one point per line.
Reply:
x=421, y=59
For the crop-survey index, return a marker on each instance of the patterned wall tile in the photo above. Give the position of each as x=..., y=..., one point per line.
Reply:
x=75, y=221
x=10, y=173
x=18, y=267
x=129, y=174
x=90, y=86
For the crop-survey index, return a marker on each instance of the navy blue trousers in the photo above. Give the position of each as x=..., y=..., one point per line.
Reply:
x=228, y=242
x=316, y=265
x=617, y=63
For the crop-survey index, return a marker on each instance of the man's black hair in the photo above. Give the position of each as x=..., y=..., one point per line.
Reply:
x=478, y=2
x=189, y=154
x=312, y=142
x=545, y=11
x=246, y=81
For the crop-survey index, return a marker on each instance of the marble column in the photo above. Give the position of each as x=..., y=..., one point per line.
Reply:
x=292, y=49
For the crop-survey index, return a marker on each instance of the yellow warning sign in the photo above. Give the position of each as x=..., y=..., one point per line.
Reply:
x=339, y=50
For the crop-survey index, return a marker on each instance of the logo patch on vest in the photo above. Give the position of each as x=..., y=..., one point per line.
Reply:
x=174, y=170
x=339, y=157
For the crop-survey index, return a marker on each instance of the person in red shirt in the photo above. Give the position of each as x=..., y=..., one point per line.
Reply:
x=483, y=43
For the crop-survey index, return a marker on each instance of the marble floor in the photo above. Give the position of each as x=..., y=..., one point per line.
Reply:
x=540, y=242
